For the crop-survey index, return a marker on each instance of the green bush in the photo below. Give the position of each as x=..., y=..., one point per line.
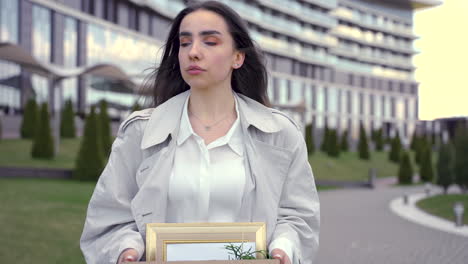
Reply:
x=333, y=147
x=1, y=128
x=310, y=139
x=67, y=123
x=426, y=170
x=414, y=141
x=30, y=117
x=363, y=145
x=324, y=145
x=43, y=143
x=344, y=145
x=405, y=172
x=136, y=107
x=395, y=150
x=445, y=164
x=379, y=141
x=105, y=128
x=461, y=155
x=90, y=160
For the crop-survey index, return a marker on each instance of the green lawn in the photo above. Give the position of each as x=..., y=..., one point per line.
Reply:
x=17, y=153
x=42, y=220
x=442, y=205
x=348, y=167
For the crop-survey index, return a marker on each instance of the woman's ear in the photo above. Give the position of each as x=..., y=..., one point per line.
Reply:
x=239, y=58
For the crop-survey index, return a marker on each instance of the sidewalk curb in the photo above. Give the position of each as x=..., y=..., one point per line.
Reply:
x=412, y=213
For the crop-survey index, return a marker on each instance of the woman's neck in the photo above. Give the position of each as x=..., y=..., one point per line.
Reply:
x=211, y=104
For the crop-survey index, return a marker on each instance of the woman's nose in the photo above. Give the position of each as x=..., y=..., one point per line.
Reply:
x=194, y=52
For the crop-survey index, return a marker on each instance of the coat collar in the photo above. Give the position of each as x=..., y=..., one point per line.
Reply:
x=165, y=119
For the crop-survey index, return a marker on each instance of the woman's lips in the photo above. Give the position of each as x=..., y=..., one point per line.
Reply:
x=195, y=71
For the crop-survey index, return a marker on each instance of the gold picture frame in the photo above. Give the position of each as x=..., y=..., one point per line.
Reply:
x=160, y=235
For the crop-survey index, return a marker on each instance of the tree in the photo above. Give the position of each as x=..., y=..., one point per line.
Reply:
x=344, y=141
x=67, y=123
x=379, y=144
x=310, y=139
x=395, y=150
x=426, y=170
x=445, y=164
x=414, y=141
x=43, y=143
x=324, y=145
x=105, y=128
x=30, y=117
x=363, y=145
x=421, y=144
x=1, y=128
x=90, y=160
x=333, y=147
x=461, y=154
x=136, y=107
x=405, y=172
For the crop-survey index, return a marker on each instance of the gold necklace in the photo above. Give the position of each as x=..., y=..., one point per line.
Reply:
x=208, y=127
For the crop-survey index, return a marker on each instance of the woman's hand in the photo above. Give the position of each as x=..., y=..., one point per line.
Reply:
x=281, y=255
x=128, y=255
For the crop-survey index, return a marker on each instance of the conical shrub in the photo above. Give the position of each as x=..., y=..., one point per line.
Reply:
x=105, y=128
x=30, y=117
x=136, y=107
x=414, y=141
x=445, y=163
x=43, y=143
x=1, y=128
x=90, y=161
x=344, y=145
x=67, y=123
x=379, y=143
x=461, y=156
x=421, y=145
x=405, y=171
x=426, y=171
x=333, y=147
x=310, y=139
x=324, y=145
x=363, y=146
x=395, y=150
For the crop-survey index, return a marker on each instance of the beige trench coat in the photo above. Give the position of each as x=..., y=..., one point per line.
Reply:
x=132, y=189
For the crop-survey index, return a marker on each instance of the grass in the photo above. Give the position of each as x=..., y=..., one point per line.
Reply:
x=42, y=220
x=348, y=167
x=442, y=205
x=17, y=153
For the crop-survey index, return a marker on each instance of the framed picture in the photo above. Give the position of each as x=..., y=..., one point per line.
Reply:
x=202, y=241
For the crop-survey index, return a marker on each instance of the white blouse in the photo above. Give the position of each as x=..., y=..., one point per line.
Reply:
x=207, y=181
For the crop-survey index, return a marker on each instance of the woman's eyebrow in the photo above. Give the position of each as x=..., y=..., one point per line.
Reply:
x=202, y=33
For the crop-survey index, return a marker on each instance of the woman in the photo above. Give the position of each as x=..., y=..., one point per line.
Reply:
x=211, y=151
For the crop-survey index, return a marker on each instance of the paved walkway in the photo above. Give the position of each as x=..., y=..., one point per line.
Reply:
x=359, y=227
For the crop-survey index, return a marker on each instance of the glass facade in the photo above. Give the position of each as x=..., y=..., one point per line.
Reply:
x=70, y=50
x=9, y=72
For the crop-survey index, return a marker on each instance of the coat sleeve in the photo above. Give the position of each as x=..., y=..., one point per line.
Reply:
x=299, y=208
x=110, y=226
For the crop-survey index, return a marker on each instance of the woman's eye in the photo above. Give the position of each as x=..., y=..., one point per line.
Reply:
x=211, y=43
x=184, y=44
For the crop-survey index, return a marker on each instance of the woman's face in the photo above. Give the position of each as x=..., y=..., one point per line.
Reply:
x=206, y=54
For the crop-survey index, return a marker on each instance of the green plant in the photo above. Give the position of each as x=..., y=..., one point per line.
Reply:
x=43, y=144
x=136, y=107
x=461, y=154
x=363, y=146
x=239, y=253
x=324, y=145
x=333, y=147
x=405, y=172
x=344, y=141
x=395, y=150
x=379, y=141
x=30, y=118
x=426, y=170
x=105, y=128
x=90, y=160
x=445, y=163
x=310, y=139
x=67, y=124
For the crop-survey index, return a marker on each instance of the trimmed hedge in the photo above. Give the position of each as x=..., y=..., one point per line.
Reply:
x=67, y=123
x=461, y=154
x=363, y=146
x=90, y=160
x=43, y=143
x=309, y=131
x=405, y=172
x=30, y=118
x=445, y=166
x=344, y=145
x=105, y=128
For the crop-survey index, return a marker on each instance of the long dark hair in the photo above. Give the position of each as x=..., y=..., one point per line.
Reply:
x=250, y=79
